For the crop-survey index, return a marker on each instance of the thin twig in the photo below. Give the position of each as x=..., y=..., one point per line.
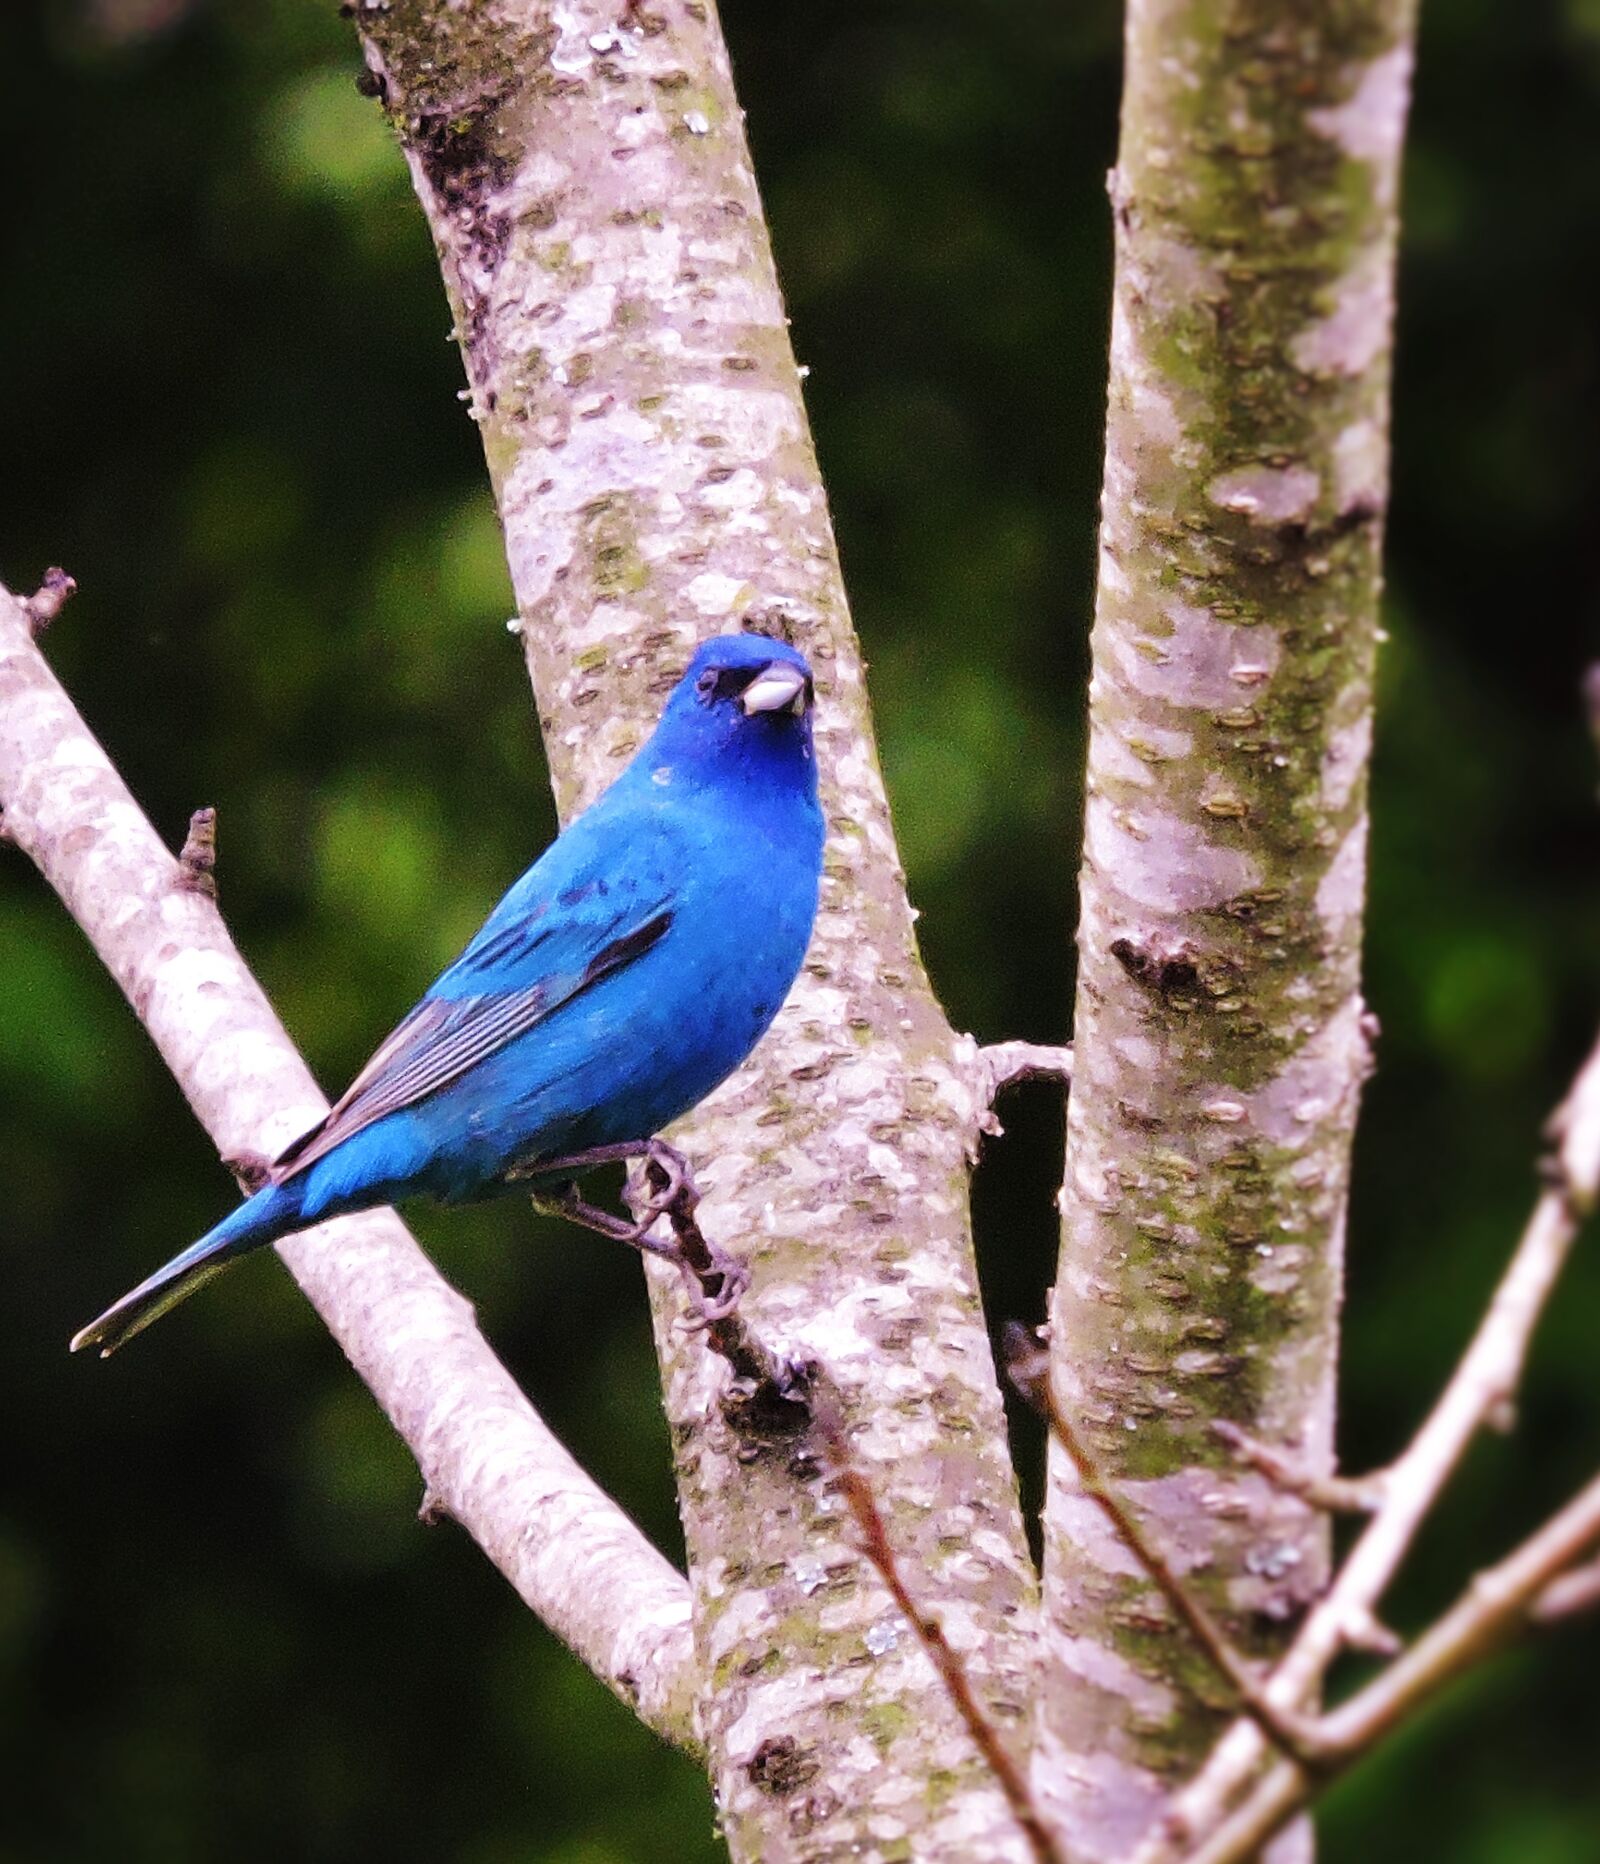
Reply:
x=1569, y=1596
x=1498, y=1605
x=1269, y=1808
x=1484, y=1382
x=875, y=1544
x=1028, y=1367
x=770, y=1394
x=1365, y=1632
x=1332, y=1494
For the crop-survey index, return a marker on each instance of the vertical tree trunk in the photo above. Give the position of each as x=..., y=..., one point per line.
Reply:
x=585, y=175
x=1220, y=1035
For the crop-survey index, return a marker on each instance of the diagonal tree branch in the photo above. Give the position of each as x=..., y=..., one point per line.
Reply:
x=946, y=1660
x=486, y=1456
x=1333, y=1494
x=1569, y=1596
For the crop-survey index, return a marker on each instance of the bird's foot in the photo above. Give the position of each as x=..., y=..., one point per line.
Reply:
x=668, y=1184
x=668, y=1181
x=716, y=1284
x=564, y=1201
x=716, y=1280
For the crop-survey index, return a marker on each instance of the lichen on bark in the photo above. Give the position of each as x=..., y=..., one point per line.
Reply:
x=1220, y=1036
x=586, y=178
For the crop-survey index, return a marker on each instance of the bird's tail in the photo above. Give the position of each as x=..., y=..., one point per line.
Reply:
x=271, y=1213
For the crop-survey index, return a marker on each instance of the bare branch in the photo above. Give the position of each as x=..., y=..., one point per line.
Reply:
x=485, y=1455
x=876, y=1546
x=48, y=600
x=1029, y=1368
x=1279, y=1796
x=766, y=1385
x=1364, y=1632
x=1483, y=1385
x=1219, y=1031
x=1333, y=1494
x=1497, y=1606
x=1569, y=1596
x=592, y=200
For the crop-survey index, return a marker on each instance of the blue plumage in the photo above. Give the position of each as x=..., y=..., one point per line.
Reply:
x=631, y=969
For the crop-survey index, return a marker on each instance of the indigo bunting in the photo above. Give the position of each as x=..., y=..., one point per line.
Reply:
x=628, y=972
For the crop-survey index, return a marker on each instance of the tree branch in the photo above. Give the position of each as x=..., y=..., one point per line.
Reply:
x=587, y=183
x=486, y=1456
x=1332, y=1494
x=56, y=589
x=1220, y=1039
x=1569, y=1596
x=1500, y=1604
x=1481, y=1389
x=1497, y=1605
x=1029, y=1367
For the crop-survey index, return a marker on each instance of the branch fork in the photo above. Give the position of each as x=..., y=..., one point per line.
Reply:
x=1230, y=1808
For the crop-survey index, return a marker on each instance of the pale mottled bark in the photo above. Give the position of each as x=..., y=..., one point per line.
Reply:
x=1220, y=1037
x=484, y=1452
x=584, y=171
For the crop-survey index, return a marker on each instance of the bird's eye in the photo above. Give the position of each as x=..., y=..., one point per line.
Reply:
x=706, y=685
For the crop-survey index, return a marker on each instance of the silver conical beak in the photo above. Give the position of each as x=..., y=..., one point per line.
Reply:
x=775, y=688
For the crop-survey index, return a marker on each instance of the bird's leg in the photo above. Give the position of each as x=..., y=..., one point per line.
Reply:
x=565, y=1202
x=579, y=1210
x=668, y=1181
x=716, y=1279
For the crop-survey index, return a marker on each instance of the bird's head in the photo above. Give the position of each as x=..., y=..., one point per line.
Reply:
x=743, y=706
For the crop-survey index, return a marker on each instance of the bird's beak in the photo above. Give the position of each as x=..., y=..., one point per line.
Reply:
x=776, y=688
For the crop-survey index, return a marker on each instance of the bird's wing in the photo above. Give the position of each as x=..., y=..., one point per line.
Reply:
x=568, y=923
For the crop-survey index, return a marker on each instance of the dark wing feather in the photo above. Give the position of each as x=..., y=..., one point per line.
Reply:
x=445, y=1036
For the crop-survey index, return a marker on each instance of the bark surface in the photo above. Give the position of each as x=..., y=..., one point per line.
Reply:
x=584, y=171
x=1220, y=1035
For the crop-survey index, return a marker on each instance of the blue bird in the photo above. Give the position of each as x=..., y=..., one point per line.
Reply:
x=629, y=971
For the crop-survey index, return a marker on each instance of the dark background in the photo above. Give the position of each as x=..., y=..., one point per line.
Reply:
x=228, y=404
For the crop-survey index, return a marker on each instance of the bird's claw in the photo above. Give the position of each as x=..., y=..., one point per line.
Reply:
x=717, y=1282
x=669, y=1183
x=706, y=1309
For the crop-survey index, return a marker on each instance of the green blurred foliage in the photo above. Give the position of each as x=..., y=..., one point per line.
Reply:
x=229, y=406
